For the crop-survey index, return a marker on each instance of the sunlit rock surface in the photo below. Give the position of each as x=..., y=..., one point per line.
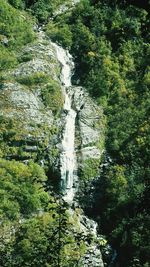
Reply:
x=65, y=139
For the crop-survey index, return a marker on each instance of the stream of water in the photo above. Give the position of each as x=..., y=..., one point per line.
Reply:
x=67, y=156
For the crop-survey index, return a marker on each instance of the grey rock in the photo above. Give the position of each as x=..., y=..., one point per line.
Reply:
x=32, y=67
x=4, y=40
x=24, y=104
x=88, y=231
x=65, y=7
x=91, y=152
x=31, y=148
x=89, y=116
x=43, y=59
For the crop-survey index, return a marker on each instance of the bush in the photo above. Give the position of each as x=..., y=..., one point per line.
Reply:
x=7, y=58
x=43, y=9
x=60, y=34
x=15, y=25
x=21, y=188
x=35, y=78
x=25, y=57
x=16, y=3
x=52, y=96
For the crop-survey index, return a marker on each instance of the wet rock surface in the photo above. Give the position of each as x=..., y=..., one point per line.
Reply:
x=90, y=127
x=90, y=120
x=82, y=115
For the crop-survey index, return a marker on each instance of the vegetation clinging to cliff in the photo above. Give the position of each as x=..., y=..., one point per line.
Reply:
x=110, y=45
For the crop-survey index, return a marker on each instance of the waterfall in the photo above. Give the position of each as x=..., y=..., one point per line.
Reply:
x=68, y=162
x=67, y=156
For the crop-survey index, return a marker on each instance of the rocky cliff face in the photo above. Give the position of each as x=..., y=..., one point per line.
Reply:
x=32, y=100
x=90, y=131
x=31, y=104
x=88, y=230
x=32, y=119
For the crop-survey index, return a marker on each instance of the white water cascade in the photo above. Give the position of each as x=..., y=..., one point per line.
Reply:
x=68, y=161
x=67, y=156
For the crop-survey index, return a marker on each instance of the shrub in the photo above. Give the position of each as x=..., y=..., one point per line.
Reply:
x=16, y=3
x=52, y=96
x=61, y=34
x=35, y=78
x=21, y=189
x=15, y=25
x=7, y=58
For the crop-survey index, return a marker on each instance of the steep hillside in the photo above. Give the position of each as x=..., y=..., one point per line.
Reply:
x=40, y=222
x=110, y=43
x=74, y=135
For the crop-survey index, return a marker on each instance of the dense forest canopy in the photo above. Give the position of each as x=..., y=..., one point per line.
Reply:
x=111, y=49
x=109, y=41
x=138, y=3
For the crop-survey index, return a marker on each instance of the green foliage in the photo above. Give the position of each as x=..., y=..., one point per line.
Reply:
x=48, y=239
x=7, y=58
x=61, y=34
x=51, y=92
x=21, y=189
x=25, y=57
x=15, y=25
x=52, y=95
x=90, y=169
x=33, y=79
x=10, y=131
x=16, y=3
x=110, y=48
x=43, y=9
x=15, y=31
